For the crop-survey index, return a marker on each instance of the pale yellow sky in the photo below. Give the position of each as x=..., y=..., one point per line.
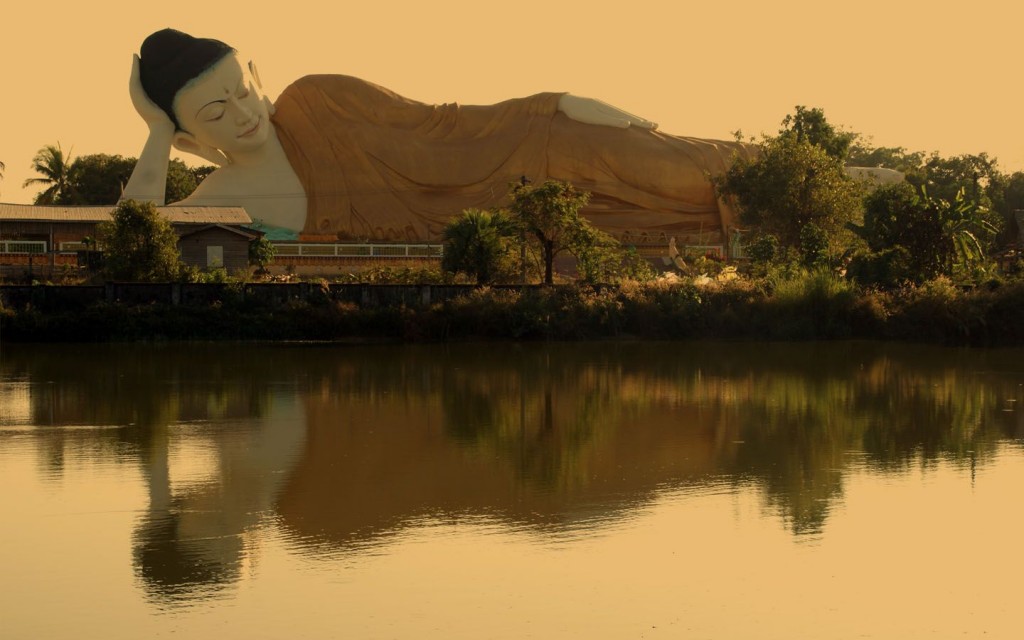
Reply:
x=924, y=75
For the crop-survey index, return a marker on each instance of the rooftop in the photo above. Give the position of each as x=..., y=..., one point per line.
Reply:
x=174, y=214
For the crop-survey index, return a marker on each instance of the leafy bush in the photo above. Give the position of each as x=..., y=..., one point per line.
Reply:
x=139, y=244
x=763, y=249
x=814, y=246
x=261, y=253
x=481, y=245
x=940, y=236
x=931, y=312
x=885, y=269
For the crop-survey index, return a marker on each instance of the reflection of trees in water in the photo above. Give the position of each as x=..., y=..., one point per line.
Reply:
x=541, y=435
x=795, y=411
x=793, y=439
x=522, y=433
x=607, y=425
x=951, y=415
x=531, y=414
x=894, y=403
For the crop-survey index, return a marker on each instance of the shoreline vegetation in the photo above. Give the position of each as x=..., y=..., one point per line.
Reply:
x=930, y=249
x=806, y=305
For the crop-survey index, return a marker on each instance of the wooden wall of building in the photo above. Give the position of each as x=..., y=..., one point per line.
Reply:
x=235, y=248
x=56, y=231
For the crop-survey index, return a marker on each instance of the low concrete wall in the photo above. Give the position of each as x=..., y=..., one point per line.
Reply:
x=57, y=297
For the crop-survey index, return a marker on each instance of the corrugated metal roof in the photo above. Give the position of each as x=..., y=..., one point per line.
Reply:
x=174, y=214
x=206, y=215
x=250, y=235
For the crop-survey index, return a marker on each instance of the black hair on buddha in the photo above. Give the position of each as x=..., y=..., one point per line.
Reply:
x=170, y=59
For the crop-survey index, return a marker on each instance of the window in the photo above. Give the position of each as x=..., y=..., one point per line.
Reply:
x=214, y=256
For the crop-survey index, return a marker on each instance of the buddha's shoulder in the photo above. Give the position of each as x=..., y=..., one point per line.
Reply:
x=331, y=83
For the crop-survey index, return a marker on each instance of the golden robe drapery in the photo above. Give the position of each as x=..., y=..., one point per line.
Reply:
x=378, y=166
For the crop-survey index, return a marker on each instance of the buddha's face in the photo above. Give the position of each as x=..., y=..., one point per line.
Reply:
x=224, y=109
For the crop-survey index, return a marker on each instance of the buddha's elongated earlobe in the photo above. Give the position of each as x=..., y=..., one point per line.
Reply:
x=185, y=141
x=255, y=74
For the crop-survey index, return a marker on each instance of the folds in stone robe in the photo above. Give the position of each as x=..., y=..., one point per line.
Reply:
x=378, y=166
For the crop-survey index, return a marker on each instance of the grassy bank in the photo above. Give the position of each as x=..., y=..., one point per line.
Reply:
x=804, y=307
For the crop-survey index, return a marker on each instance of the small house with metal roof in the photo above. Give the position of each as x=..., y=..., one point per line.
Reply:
x=210, y=237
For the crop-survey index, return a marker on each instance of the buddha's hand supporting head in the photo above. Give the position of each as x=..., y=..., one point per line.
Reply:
x=155, y=117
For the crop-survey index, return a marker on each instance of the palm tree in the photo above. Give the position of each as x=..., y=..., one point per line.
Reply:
x=51, y=163
x=2, y=167
x=477, y=243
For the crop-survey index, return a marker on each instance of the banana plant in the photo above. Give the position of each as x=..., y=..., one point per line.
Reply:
x=964, y=227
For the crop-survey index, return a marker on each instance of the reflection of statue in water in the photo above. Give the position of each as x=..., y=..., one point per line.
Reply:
x=191, y=540
x=338, y=157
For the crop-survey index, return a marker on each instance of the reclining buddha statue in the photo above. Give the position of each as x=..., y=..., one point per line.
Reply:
x=341, y=159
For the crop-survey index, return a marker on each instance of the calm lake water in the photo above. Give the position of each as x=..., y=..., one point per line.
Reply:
x=648, y=490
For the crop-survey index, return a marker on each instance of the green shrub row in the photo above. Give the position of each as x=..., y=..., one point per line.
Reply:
x=804, y=306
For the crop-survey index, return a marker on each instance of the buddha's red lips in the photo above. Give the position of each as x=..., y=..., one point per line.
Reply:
x=253, y=129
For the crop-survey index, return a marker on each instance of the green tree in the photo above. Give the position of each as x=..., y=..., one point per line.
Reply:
x=261, y=253
x=550, y=215
x=895, y=216
x=791, y=183
x=975, y=179
x=763, y=249
x=601, y=258
x=139, y=245
x=51, y=163
x=966, y=227
x=887, y=269
x=201, y=172
x=1008, y=198
x=898, y=158
x=814, y=246
x=995, y=195
x=944, y=178
x=936, y=234
x=182, y=180
x=810, y=125
x=100, y=179
x=481, y=245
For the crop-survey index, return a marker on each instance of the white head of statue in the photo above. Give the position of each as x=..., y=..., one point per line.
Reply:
x=197, y=96
x=213, y=99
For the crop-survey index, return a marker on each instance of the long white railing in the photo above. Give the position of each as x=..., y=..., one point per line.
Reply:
x=313, y=250
x=22, y=246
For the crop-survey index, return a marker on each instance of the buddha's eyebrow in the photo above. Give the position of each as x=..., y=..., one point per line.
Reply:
x=241, y=83
x=221, y=101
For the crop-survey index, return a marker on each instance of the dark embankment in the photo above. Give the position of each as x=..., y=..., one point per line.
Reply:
x=813, y=308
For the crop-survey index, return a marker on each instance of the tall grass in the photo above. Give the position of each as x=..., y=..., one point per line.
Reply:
x=811, y=304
